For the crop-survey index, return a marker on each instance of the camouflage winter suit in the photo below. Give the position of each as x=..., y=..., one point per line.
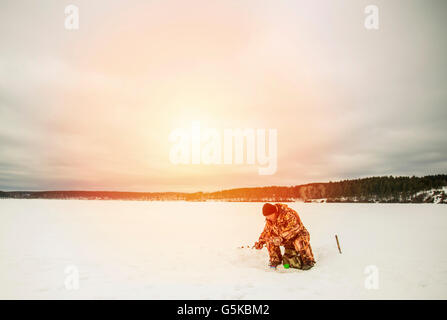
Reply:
x=294, y=237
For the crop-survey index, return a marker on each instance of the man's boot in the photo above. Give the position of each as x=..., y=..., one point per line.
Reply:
x=308, y=265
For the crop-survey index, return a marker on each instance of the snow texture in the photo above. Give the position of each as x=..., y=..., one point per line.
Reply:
x=191, y=250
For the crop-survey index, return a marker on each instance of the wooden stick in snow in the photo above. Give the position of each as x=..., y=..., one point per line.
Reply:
x=338, y=244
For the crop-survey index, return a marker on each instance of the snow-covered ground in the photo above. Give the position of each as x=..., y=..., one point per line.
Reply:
x=189, y=250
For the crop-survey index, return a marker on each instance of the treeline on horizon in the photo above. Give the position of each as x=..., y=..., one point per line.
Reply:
x=373, y=189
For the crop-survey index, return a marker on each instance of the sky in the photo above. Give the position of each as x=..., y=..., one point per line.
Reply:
x=93, y=108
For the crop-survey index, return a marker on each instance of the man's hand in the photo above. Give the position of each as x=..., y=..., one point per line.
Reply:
x=258, y=245
x=277, y=241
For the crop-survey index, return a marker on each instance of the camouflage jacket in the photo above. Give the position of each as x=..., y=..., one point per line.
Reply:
x=287, y=226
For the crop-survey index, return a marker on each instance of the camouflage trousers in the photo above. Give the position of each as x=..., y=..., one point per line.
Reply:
x=297, y=252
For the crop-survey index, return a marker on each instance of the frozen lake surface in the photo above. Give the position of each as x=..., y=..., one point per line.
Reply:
x=189, y=250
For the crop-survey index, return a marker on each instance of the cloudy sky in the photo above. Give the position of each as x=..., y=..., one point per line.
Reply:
x=93, y=108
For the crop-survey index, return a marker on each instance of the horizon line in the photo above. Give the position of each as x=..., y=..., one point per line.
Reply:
x=234, y=188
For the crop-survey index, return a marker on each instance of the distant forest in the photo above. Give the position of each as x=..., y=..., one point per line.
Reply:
x=387, y=189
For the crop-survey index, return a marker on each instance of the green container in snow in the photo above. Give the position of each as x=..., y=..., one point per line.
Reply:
x=286, y=266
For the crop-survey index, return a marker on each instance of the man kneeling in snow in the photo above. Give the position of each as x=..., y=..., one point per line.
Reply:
x=283, y=227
